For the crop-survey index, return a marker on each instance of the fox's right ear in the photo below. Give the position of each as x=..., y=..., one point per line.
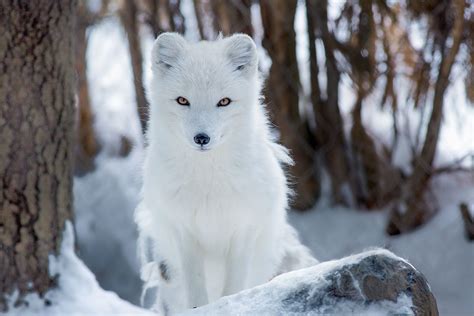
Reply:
x=167, y=50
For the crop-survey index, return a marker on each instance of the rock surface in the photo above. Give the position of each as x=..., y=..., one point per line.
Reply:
x=372, y=282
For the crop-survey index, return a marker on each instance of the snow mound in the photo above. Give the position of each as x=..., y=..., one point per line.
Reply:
x=77, y=293
x=104, y=202
x=374, y=282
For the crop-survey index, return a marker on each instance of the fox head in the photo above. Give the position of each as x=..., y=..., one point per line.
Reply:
x=203, y=94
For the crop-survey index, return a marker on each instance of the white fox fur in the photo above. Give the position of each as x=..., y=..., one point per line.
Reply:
x=215, y=215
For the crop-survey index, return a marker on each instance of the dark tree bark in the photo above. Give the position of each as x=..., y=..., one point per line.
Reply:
x=282, y=92
x=36, y=131
x=366, y=162
x=368, y=180
x=328, y=117
x=232, y=16
x=153, y=17
x=468, y=221
x=469, y=84
x=175, y=15
x=416, y=208
x=315, y=138
x=313, y=62
x=128, y=15
x=164, y=15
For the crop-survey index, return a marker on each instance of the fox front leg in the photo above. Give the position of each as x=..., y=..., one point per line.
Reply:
x=172, y=290
x=238, y=265
x=194, y=275
x=264, y=257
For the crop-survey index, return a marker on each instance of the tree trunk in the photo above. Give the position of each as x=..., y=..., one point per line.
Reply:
x=468, y=221
x=315, y=139
x=416, y=208
x=198, y=13
x=366, y=161
x=282, y=92
x=232, y=16
x=128, y=15
x=313, y=60
x=36, y=130
x=153, y=17
x=176, y=17
x=329, y=118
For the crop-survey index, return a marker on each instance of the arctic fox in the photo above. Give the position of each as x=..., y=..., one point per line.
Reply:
x=214, y=195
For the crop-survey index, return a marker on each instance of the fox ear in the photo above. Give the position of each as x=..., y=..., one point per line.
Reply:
x=167, y=50
x=242, y=52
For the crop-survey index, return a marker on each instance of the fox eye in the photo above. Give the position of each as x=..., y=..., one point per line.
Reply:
x=182, y=101
x=224, y=102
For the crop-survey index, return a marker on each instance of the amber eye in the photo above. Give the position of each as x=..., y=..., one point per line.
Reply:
x=224, y=102
x=182, y=101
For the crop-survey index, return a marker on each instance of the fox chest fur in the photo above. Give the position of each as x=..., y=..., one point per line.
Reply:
x=215, y=198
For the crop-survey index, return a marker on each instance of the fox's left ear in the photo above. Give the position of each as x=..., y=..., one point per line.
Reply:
x=167, y=50
x=242, y=52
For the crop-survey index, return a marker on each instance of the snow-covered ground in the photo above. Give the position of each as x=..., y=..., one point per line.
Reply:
x=104, y=203
x=77, y=293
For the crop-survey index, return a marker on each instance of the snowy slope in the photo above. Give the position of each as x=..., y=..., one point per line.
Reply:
x=104, y=202
x=78, y=292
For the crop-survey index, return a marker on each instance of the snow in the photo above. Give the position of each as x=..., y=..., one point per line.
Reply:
x=77, y=293
x=104, y=201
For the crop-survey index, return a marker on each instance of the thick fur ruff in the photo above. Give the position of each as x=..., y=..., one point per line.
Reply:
x=212, y=219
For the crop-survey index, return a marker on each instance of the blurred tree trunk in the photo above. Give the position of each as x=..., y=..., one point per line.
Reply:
x=36, y=131
x=415, y=208
x=282, y=92
x=366, y=162
x=316, y=100
x=86, y=146
x=468, y=221
x=328, y=117
x=469, y=84
x=368, y=179
x=233, y=16
x=128, y=15
x=198, y=13
x=153, y=18
x=315, y=139
x=176, y=18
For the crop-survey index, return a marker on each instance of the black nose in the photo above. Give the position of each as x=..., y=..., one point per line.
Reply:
x=201, y=139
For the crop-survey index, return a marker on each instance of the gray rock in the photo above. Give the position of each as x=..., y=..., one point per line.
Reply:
x=376, y=282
